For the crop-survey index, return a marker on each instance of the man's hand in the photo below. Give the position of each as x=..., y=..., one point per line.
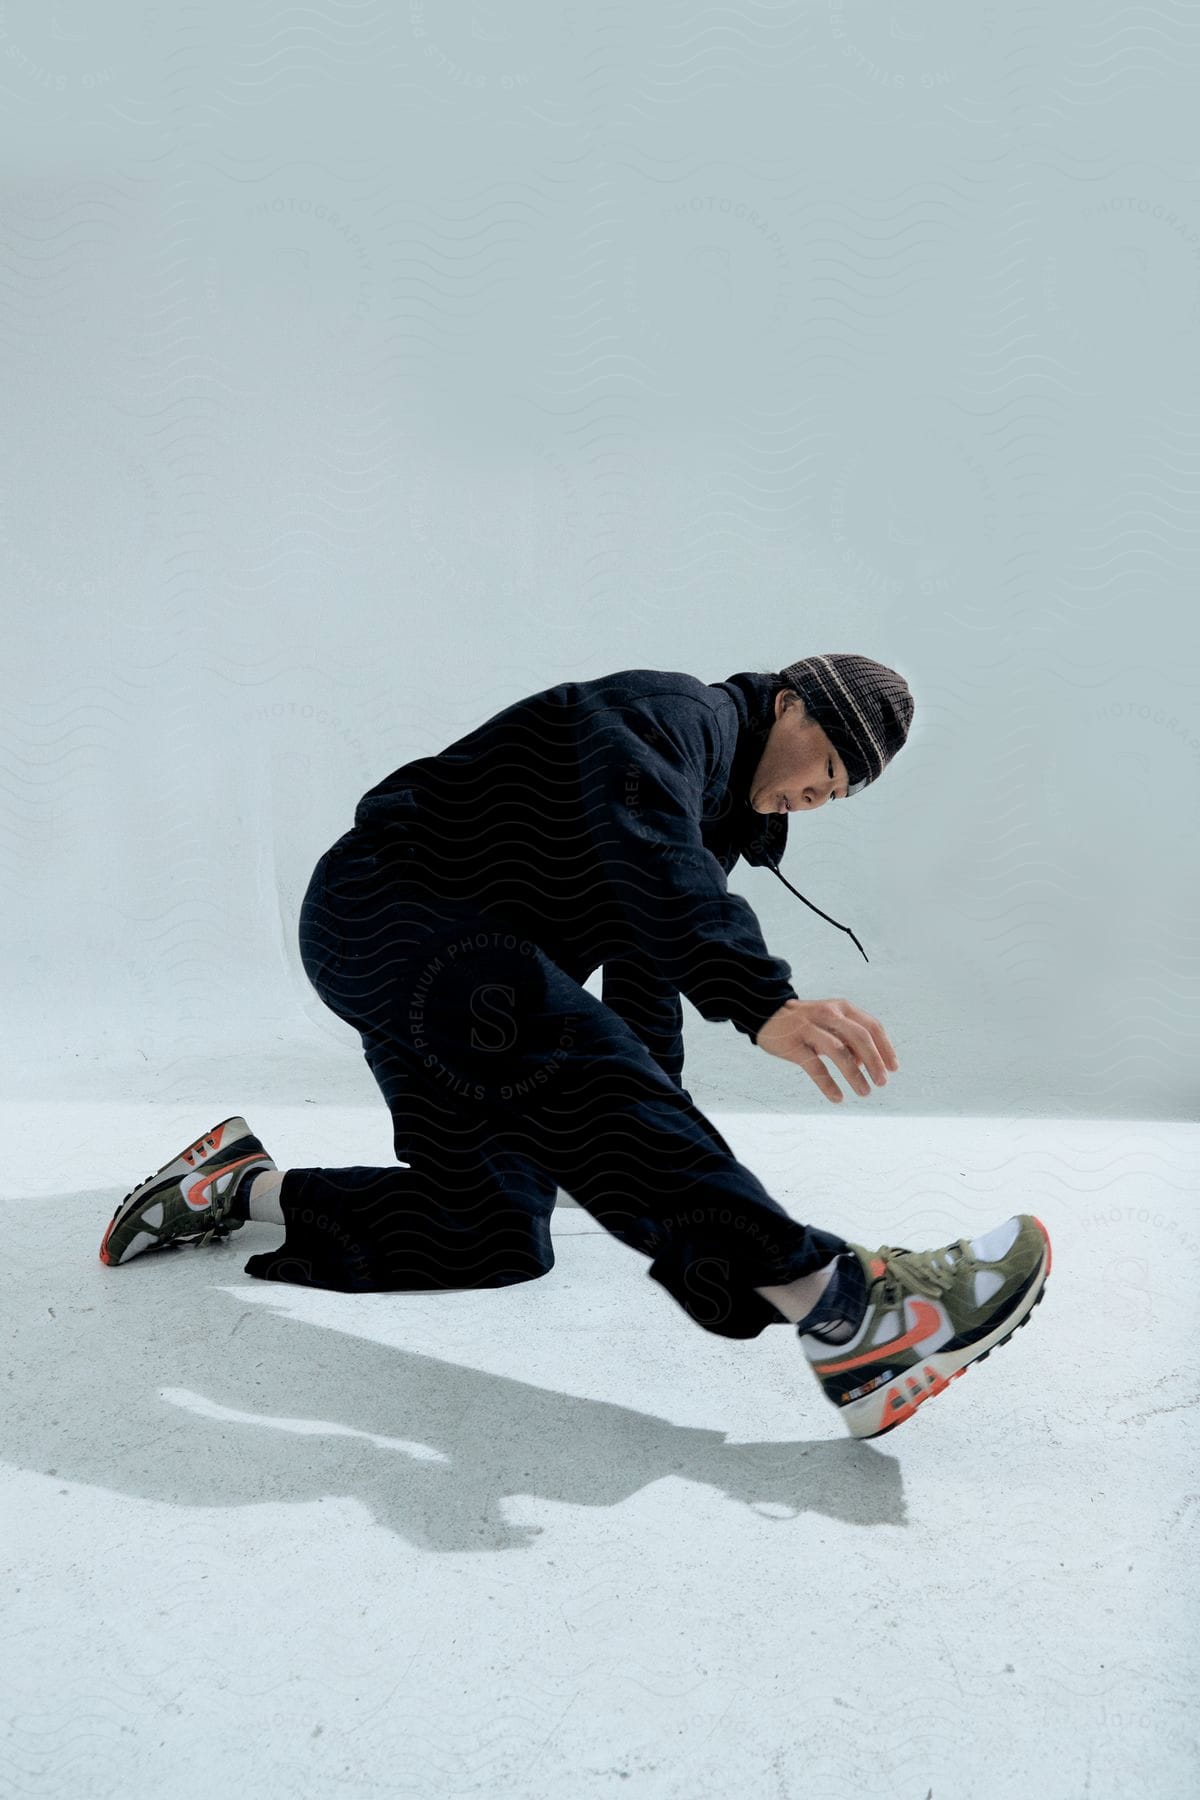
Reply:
x=803, y=1031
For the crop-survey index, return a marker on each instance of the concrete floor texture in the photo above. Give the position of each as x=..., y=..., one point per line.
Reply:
x=555, y=1540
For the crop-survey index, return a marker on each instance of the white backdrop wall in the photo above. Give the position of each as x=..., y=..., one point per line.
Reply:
x=369, y=367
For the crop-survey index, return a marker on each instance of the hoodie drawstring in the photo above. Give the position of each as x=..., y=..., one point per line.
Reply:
x=787, y=884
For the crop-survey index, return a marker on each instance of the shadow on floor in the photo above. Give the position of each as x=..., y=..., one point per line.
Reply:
x=153, y=1380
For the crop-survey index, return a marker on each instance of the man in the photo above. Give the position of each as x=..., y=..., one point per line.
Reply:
x=592, y=825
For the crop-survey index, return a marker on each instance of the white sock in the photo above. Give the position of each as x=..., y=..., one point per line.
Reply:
x=263, y=1198
x=838, y=1314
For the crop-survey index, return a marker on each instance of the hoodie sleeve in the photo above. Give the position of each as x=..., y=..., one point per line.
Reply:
x=650, y=1007
x=644, y=771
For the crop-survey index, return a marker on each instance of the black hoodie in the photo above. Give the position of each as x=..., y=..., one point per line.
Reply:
x=600, y=818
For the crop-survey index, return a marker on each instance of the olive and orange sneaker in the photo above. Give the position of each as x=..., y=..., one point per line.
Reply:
x=929, y=1314
x=188, y=1199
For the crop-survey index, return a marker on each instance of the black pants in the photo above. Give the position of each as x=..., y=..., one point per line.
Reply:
x=507, y=1080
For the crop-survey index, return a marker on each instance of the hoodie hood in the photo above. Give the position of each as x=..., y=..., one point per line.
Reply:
x=761, y=838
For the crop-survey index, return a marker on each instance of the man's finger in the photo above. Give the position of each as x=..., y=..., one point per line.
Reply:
x=837, y=1052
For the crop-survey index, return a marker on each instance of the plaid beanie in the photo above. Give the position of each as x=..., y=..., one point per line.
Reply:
x=863, y=707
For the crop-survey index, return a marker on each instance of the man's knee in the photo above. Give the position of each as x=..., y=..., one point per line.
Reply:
x=530, y=1265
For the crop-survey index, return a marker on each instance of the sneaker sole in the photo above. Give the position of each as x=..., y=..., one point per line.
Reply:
x=933, y=1374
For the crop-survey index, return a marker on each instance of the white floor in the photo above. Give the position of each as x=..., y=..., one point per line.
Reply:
x=555, y=1540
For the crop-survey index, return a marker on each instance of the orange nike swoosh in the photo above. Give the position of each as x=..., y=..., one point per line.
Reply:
x=207, y=1180
x=928, y=1320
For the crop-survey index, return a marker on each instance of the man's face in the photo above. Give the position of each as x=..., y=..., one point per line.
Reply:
x=799, y=768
